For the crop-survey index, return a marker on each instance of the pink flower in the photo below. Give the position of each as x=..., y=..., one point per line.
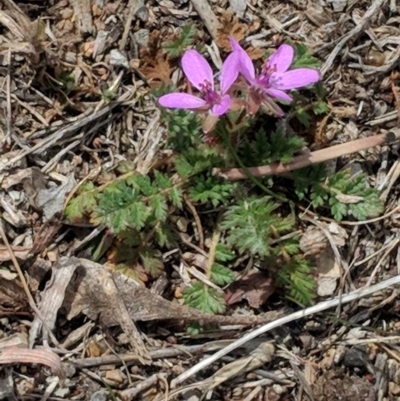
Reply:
x=275, y=78
x=199, y=73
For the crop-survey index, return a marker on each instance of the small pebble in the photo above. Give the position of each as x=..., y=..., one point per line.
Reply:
x=375, y=58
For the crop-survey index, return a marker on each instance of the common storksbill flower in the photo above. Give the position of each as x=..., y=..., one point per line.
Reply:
x=274, y=80
x=200, y=75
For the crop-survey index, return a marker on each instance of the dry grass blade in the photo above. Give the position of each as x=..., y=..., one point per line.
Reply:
x=319, y=156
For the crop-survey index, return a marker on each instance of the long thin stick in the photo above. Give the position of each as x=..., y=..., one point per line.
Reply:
x=352, y=296
x=311, y=158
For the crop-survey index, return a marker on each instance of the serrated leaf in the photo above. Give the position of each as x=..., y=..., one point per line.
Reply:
x=339, y=210
x=251, y=223
x=296, y=277
x=143, y=184
x=152, y=262
x=204, y=298
x=161, y=180
x=303, y=58
x=210, y=189
x=223, y=253
x=370, y=208
x=178, y=46
x=320, y=107
x=137, y=214
x=175, y=195
x=164, y=236
x=221, y=275
x=83, y=204
x=159, y=207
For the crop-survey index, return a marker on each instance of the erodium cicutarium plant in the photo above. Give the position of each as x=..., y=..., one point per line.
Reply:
x=239, y=84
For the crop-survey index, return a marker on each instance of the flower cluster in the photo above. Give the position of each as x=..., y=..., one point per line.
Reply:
x=261, y=90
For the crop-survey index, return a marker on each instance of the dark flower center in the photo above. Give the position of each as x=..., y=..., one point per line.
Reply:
x=210, y=96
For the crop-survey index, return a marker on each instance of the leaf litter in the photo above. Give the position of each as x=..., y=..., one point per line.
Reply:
x=78, y=82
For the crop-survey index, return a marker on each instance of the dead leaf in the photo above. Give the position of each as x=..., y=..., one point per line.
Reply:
x=256, y=287
x=158, y=71
x=231, y=27
x=313, y=241
x=51, y=200
x=328, y=271
x=85, y=294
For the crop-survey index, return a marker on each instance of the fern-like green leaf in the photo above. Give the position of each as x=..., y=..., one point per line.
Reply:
x=204, y=298
x=210, y=189
x=223, y=253
x=164, y=235
x=159, y=207
x=271, y=147
x=175, y=195
x=178, y=46
x=296, y=277
x=252, y=223
x=83, y=204
x=221, y=275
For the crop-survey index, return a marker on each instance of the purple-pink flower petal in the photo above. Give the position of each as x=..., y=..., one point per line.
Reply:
x=197, y=69
x=229, y=72
x=295, y=79
x=181, y=101
x=222, y=106
x=281, y=59
x=278, y=94
x=246, y=66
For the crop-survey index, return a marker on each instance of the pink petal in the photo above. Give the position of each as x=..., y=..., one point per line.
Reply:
x=278, y=94
x=229, y=72
x=181, y=101
x=197, y=69
x=297, y=78
x=222, y=107
x=246, y=66
x=281, y=60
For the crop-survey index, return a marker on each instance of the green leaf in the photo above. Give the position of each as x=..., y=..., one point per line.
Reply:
x=296, y=277
x=175, y=196
x=291, y=246
x=178, y=46
x=159, y=207
x=303, y=58
x=303, y=116
x=271, y=147
x=371, y=207
x=211, y=189
x=320, y=107
x=339, y=210
x=164, y=235
x=119, y=207
x=143, y=184
x=83, y=204
x=152, y=261
x=252, y=223
x=221, y=275
x=223, y=253
x=161, y=180
x=204, y=298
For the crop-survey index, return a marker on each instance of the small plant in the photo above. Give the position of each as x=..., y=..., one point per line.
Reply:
x=176, y=48
x=235, y=121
